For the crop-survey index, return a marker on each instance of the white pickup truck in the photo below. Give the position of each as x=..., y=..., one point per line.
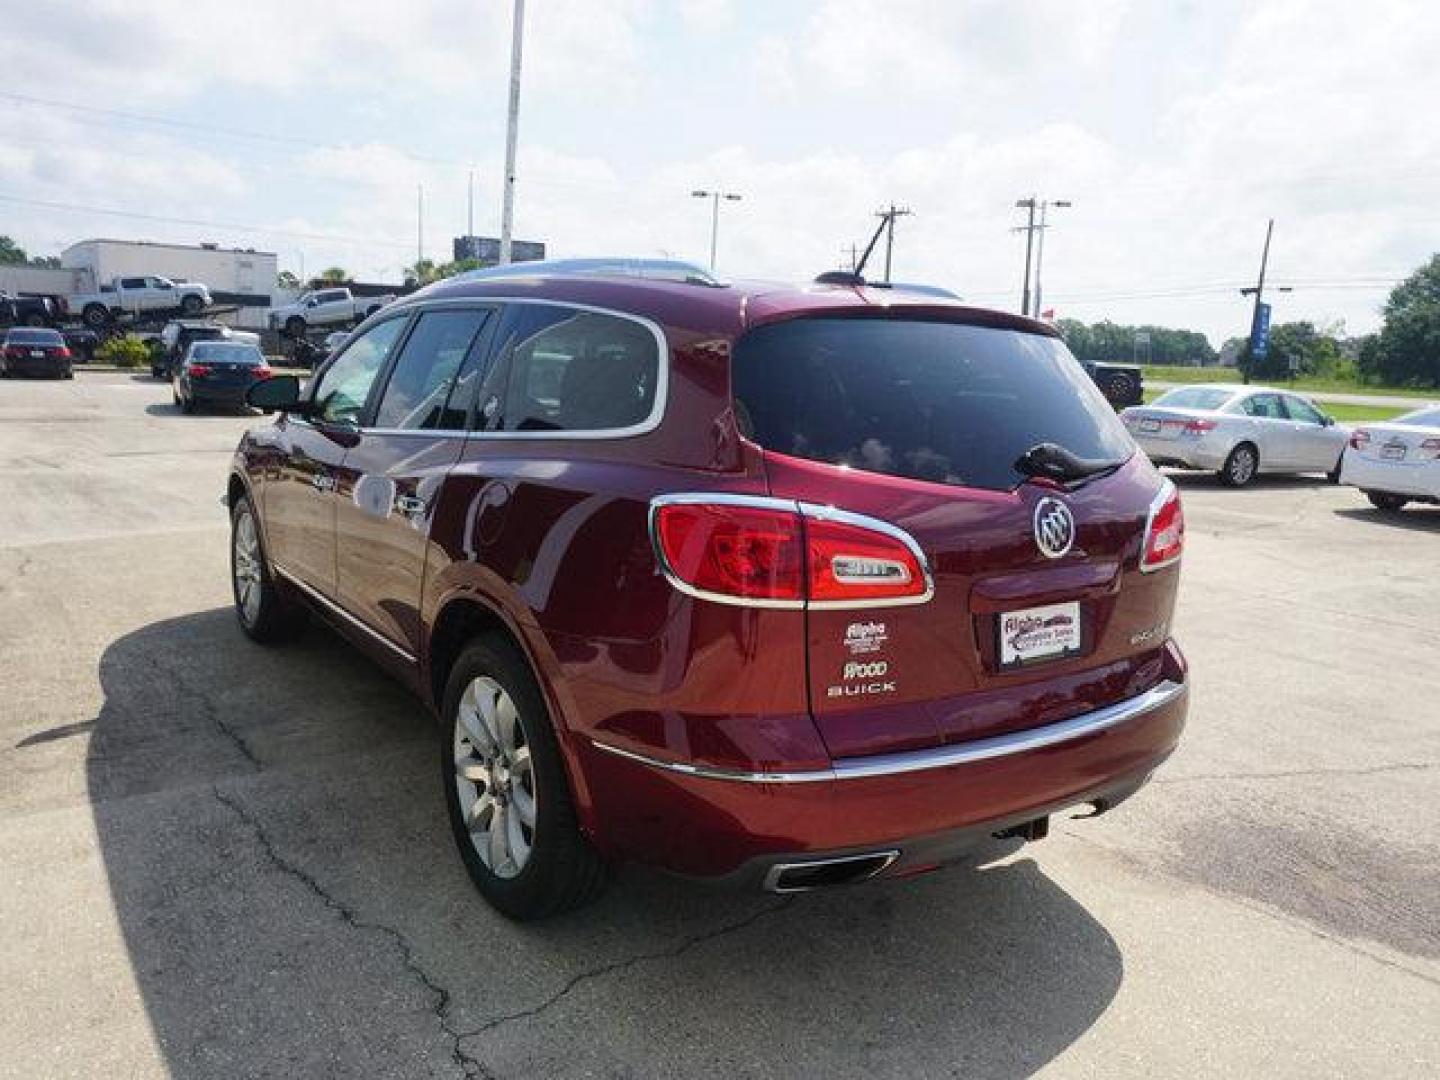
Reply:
x=325, y=307
x=133, y=295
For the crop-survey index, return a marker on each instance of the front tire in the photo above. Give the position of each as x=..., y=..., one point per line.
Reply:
x=265, y=612
x=1385, y=503
x=96, y=316
x=1241, y=466
x=192, y=305
x=509, y=801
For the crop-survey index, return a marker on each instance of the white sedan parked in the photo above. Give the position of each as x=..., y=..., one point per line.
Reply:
x=1237, y=432
x=1396, y=462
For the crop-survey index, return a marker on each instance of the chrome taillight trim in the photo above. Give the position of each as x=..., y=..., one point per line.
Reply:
x=939, y=757
x=813, y=511
x=1167, y=488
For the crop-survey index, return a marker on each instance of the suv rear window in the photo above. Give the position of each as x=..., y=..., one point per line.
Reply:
x=936, y=401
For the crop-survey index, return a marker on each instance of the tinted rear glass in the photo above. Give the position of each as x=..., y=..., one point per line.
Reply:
x=34, y=337
x=928, y=400
x=226, y=352
x=1195, y=397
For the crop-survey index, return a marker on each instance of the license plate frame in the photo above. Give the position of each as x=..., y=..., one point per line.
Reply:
x=1149, y=426
x=1038, y=635
x=1392, y=453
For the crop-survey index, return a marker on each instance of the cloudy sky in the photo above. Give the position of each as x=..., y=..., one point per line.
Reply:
x=1176, y=129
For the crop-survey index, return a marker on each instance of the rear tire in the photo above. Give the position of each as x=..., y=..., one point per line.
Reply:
x=1241, y=466
x=1386, y=504
x=295, y=327
x=187, y=406
x=265, y=611
x=96, y=316
x=500, y=763
x=191, y=305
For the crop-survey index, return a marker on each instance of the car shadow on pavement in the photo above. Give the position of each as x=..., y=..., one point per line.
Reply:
x=277, y=850
x=1419, y=517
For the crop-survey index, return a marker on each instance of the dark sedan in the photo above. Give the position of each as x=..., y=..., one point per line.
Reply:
x=217, y=373
x=35, y=351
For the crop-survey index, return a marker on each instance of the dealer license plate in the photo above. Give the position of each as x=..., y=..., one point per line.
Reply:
x=1149, y=425
x=1039, y=633
x=37, y=354
x=1394, y=453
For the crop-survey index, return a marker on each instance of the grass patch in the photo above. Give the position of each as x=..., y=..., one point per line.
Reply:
x=1305, y=385
x=1347, y=414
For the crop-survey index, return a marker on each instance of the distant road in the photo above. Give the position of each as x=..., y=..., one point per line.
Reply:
x=1391, y=401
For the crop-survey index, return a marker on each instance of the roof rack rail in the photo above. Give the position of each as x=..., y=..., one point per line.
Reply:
x=674, y=270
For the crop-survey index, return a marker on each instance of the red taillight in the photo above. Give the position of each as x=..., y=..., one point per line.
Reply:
x=780, y=553
x=746, y=552
x=851, y=562
x=1198, y=427
x=1164, y=530
x=262, y=371
x=199, y=370
x=64, y=353
x=1359, y=439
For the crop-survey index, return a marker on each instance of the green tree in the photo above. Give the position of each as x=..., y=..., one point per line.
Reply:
x=11, y=253
x=1407, y=352
x=334, y=275
x=286, y=280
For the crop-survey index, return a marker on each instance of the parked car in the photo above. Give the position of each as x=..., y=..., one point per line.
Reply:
x=176, y=338
x=1122, y=384
x=217, y=373
x=31, y=350
x=1396, y=462
x=82, y=344
x=136, y=295
x=782, y=587
x=30, y=310
x=325, y=307
x=1238, y=432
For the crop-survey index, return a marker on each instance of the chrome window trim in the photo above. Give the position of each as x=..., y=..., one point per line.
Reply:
x=814, y=511
x=939, y=757
x=662, y=361
x=321, y=598
x=1156, y=504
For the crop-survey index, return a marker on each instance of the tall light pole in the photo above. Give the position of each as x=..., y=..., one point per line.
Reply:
x=715, y=197
x=1040, y=247
x=512, y=126
x=1029, y=230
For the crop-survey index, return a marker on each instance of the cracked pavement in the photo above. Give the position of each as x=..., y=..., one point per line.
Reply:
x=226, y=861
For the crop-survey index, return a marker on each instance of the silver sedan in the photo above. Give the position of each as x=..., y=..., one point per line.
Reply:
x=1238, y=432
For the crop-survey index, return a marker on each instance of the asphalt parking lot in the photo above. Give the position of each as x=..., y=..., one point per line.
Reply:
x=221, y=860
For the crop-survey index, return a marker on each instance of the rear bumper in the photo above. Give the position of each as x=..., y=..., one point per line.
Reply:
x=55, y=366
x=1201, y=453
x=927, y=806
x=218, y=395
x=1415, y=480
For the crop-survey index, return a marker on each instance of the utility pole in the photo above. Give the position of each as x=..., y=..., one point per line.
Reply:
x=1029, y=230
x=715, y=197
x=1258, y=290
x=889, y=217
x=419, y=223
x=470, y=209
x=1040, y=248
x=851, y=253
x=512, y=125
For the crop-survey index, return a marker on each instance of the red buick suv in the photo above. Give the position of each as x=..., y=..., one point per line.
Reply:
x=779, y=586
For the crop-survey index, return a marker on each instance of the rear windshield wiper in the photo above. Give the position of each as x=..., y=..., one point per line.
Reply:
x=1054, y=462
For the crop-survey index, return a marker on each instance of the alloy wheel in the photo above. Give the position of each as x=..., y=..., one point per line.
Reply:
x=1242, y=466
x=246, y=564
x=495, y=777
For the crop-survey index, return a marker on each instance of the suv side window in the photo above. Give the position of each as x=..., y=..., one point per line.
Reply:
x=344, y=386
x=571, y=370
x=432, y=383
x=132, y=283
x=1264, y=407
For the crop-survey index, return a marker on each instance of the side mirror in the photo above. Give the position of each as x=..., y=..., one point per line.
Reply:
x=1327, y=420
x=279, y=393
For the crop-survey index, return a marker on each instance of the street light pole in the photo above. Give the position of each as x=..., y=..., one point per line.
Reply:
x=512, y=125
x=715, y=197
x=1029, y=229
x=1040, y=248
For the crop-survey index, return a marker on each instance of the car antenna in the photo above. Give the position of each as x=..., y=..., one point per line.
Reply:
x=856, y=276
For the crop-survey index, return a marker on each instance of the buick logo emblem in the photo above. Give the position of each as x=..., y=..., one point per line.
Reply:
x=1054, y=528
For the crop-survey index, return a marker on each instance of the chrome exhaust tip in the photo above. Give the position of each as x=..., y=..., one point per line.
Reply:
x=822, y=873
